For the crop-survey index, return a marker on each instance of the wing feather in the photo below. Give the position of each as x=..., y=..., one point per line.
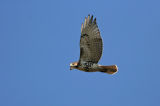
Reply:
x=91, y=42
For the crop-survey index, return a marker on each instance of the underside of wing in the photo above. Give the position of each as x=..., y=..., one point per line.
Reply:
x=91, y=42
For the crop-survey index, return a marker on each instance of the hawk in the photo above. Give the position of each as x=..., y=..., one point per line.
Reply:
x=91, y=47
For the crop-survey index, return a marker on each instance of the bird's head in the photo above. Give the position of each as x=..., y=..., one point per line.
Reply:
x=73, y=65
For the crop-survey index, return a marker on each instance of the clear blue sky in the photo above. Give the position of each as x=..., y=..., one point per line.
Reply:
x=39, y=39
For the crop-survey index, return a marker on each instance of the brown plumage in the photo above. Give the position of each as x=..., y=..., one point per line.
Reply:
x=91, y=47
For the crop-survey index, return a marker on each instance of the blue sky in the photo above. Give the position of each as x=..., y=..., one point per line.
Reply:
x=39, y=39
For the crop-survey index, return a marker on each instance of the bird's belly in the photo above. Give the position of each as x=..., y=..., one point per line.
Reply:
x=88, y=70
x=92, y=68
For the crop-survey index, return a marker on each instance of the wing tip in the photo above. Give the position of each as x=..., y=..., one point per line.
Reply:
x=91, y=19
x=82, y=27
x=94, y=20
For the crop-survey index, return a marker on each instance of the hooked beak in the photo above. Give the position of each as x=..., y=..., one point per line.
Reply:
x=71, y=67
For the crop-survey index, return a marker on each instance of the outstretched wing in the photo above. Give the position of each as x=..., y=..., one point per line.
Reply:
x=91, y=42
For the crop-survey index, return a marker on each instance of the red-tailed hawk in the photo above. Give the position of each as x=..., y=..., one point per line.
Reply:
x=91, y=49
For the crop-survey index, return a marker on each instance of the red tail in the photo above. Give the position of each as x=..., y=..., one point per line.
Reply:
x=109, y=69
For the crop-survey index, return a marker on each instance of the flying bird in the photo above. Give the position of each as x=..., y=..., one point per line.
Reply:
x=91, y=47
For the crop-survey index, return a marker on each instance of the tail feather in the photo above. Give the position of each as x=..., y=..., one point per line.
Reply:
x=109, y=69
